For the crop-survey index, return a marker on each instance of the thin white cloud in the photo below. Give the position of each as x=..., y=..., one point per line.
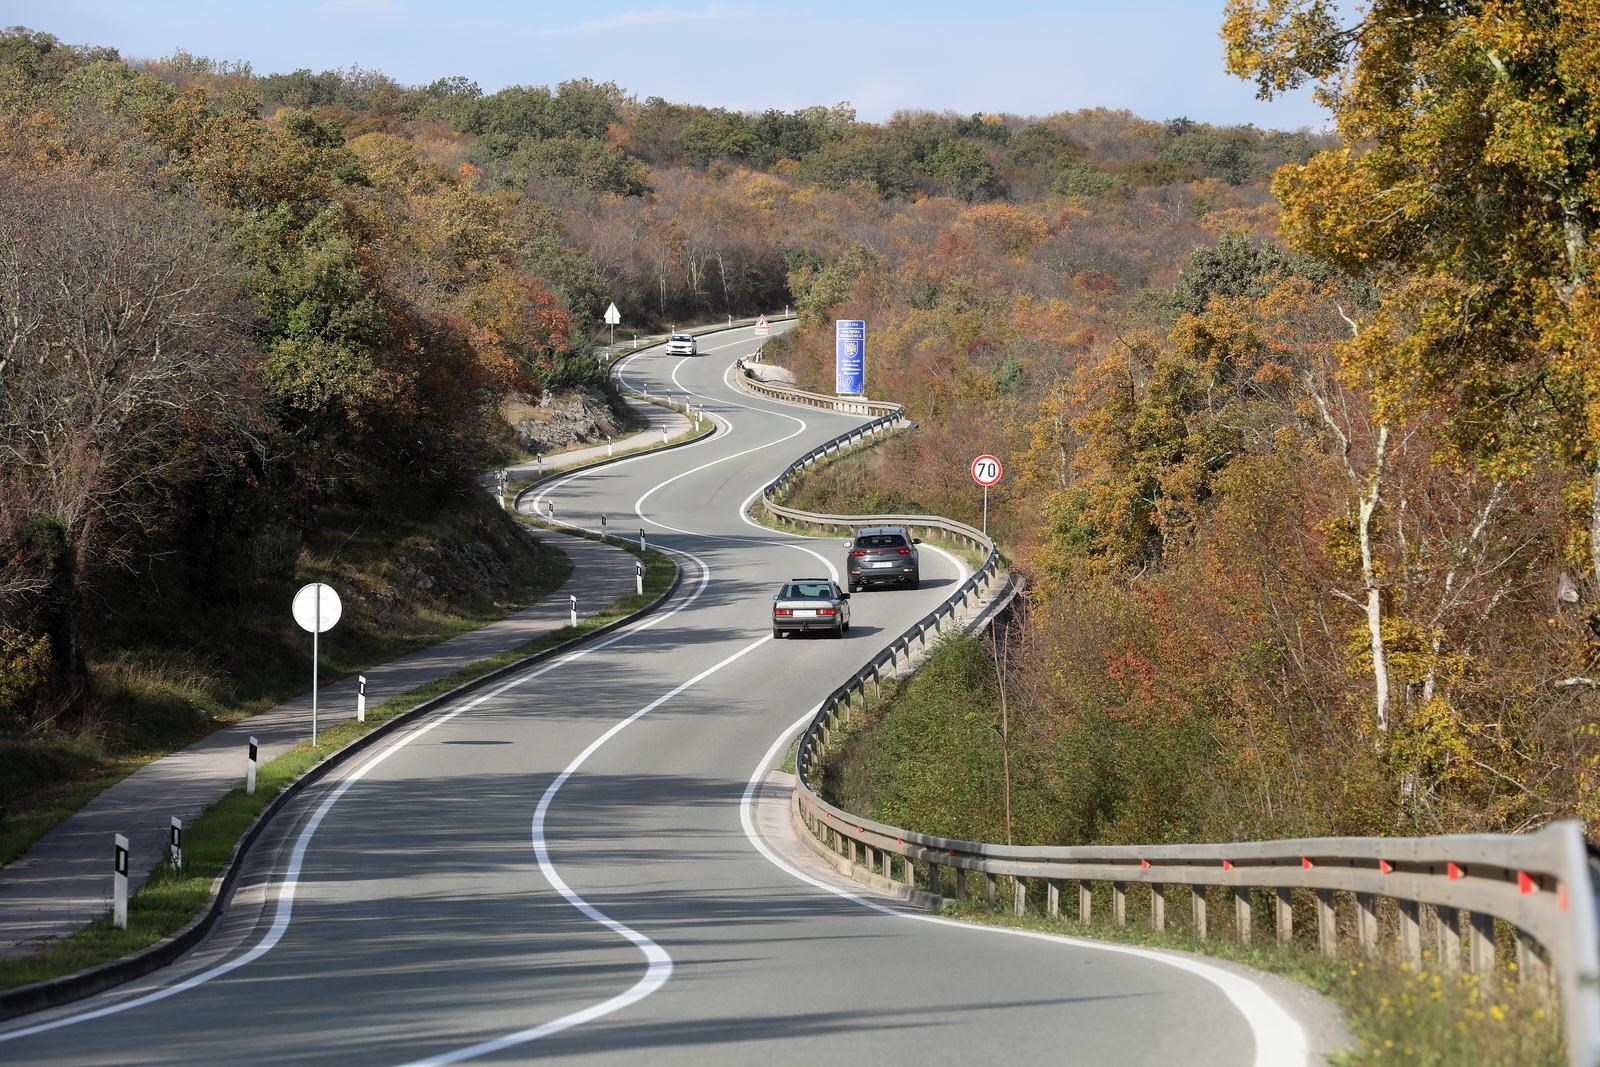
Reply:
x=661, y=16
x=364, y=7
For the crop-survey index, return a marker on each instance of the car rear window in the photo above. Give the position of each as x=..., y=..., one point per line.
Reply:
x=881, y=541
x=807, y=591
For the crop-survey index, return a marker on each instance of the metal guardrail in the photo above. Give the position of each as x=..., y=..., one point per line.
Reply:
x=844, y=404
x=1542, y=885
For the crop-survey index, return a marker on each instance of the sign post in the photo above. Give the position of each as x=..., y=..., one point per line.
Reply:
x=986, y=471
x=850, y=357
x=316, y=608
x=613, y=316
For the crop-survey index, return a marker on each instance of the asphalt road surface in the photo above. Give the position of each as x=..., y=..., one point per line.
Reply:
x=561, y=867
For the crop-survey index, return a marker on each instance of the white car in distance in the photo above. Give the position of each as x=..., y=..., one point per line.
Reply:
x=681, y=344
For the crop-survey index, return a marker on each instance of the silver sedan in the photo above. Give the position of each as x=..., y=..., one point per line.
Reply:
x=810, y=604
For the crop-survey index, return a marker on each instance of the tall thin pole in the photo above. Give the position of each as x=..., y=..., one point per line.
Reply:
x=986, y=511
x=317, y=617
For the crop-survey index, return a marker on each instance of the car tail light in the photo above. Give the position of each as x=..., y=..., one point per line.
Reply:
x=857, y=553
x=903, y=551
x=826, y=611
x=783, y=611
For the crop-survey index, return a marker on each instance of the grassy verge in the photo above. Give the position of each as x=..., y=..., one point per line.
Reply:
x=170, y=899
x=877, y=765
x=1396, y=1014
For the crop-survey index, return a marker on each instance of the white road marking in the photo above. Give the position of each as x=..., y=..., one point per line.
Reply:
x=659, y=964
x=1279, y=1038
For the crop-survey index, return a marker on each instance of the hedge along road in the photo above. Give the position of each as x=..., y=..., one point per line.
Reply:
x=559, y=867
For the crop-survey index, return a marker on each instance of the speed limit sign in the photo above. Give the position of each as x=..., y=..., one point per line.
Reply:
x=986, y=470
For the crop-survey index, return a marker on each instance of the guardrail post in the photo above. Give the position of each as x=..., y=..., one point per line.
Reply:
x=1119, y=903
x=988, y=889
x=907, y=872
x=1532, y=971
x=1327, y=924
x=1283, y=913
x=1447, y=925
x=1158, y=906
x=1197, y=898
x=1085, y=901
x=1480, y=939
x=934, y=879
x=1241, y=912
x=961, y=882
x=1052, y=899
x=1410, y=932
x=1367, y=921
x=1020, y=897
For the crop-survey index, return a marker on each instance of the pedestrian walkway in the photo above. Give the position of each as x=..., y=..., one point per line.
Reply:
x=64, y=881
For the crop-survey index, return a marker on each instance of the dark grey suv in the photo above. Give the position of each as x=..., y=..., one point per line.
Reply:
x=883, y=555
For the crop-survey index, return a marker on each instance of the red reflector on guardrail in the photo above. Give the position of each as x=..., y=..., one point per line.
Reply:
x=1526, y=884
x=1144, y=865
x=1385, y=867
x=1305, y=862
x=1454, y=871
x=1227, y=865
x=1561, y=897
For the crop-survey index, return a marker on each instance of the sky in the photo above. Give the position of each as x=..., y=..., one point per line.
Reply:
x=1159, y=59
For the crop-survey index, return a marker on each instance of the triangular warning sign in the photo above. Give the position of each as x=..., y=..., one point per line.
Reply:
x=761, y=324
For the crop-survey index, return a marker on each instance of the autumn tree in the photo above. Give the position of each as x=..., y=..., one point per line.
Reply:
x=1468, y=193
x=125, y=334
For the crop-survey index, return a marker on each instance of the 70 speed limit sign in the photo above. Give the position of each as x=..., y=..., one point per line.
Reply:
x=986, y=470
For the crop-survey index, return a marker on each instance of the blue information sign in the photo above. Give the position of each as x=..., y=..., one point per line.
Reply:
x=850, y=357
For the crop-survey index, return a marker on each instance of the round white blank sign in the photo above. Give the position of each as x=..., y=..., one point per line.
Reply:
x=316, y=607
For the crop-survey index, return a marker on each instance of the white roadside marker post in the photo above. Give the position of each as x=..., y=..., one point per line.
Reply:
x=119, y=885
x=641, y=539
x=638, y=577
x=361, y=698
x=602, y=526
x=250, y=770
x=175, y=843
x=610, y=448
x=663, y=437
x=574, y=609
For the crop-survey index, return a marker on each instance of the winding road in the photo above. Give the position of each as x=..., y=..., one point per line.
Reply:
x=566, y=865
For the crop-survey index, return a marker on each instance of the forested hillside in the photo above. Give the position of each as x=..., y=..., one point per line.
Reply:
x=1271, y=592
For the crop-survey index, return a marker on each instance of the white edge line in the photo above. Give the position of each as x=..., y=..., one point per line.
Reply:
x=658, y=963
x=1279, y=1038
